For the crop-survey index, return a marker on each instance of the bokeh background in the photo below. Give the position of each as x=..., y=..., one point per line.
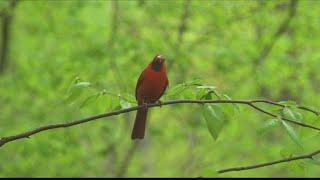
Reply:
x=247, y=49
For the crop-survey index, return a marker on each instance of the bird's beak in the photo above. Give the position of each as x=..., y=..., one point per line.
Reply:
x=160, y=59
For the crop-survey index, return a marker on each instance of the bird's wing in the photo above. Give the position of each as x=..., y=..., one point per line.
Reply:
x=141, y=77
x=164, y=89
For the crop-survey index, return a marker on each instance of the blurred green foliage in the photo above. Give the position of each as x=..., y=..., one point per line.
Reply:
x=71, y=59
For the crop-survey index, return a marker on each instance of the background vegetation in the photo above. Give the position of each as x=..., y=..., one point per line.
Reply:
x=247, y=49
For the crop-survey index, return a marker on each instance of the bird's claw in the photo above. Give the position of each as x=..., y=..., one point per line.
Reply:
x=159, y=103
x=145, y=104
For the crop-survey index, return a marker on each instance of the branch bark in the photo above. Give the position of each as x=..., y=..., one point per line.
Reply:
x=111, y=42
x=250, y=103
x=181, y=30
x=127, y=160
x=243, y=168
x=6, y=18
x=278, y=33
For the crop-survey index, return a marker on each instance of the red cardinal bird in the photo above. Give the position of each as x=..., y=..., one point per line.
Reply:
x=150, y=87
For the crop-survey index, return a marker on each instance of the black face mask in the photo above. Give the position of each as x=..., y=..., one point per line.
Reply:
x=156, y=66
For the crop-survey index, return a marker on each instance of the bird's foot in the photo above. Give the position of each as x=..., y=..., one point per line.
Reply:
x=145, y=105
x=159, y=102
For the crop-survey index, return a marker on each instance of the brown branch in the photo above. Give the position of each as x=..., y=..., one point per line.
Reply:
x=181, y=29
x=127, y=160
x=306, y=156
x=111, y=42
x=282, y=105
x=27, y=134
x=5, y=34
x=183, y=26
x=278, y=33
x=285, y=119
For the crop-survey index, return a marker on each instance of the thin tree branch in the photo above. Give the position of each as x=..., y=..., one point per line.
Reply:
x=184, y=19
x=306, y=156
x=5, y=34
x=27, y=134
x=278, y=33
x=111, y=42
x=181, y=29
x=282, y=105
x=267, y=47
x=285, y=119
x=127, y=160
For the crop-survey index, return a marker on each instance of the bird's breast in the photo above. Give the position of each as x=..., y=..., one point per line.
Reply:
x=152, y=87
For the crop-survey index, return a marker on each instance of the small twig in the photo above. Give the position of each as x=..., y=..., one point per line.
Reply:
x=243, y=168
x=282, y=105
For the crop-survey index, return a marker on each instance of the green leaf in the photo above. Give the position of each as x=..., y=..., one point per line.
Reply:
x=292, y=114
x=206, y=87
x=285, y=152
x=180, y=88
x=193, y=82
x=124, y=103
x=200, y=94
x=129, y=97
x=276, y=109
x=236, y=106
x=76, y=90
x=82, y=84
x=298, y=167
x=288, y=103
x=267, y=126
x=215, y=119
x=74, y=93
x=207, y=96
x=314, y=161
x=312, y=108
x=73, y=82
x=292, y=133
x=90, y=99
x=175, y=91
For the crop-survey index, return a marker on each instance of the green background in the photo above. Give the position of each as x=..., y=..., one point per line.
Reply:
x=246, y=49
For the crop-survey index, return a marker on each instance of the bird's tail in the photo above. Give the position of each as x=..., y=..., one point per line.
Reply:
x=139, y=124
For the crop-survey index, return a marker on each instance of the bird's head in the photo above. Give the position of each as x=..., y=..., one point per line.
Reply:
x=158, y=62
